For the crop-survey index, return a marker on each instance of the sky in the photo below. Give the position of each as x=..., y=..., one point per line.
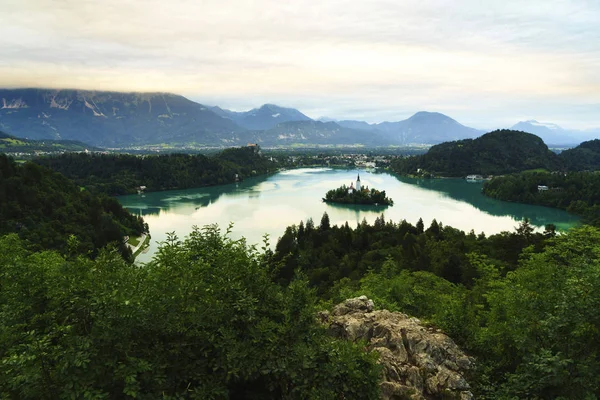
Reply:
x=487, y=64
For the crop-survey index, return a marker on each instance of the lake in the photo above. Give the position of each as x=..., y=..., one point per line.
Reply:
x=269, y=204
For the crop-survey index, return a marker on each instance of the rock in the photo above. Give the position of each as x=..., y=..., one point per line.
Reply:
x=418, y=363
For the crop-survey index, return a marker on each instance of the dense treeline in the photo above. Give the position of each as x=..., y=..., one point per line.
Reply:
x=524, y=303
x=584, y=157
x=498, y=152
x=117, y=174
x=50, y=212
x=327, y=254
x=203, y=320
x=364, y=196
x=576, y=192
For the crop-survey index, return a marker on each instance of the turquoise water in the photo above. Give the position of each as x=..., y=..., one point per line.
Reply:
x=270, y=204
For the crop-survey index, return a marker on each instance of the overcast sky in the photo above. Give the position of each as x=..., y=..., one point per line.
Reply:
x=485, y=63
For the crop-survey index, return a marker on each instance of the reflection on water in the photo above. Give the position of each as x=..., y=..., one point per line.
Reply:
x=461, y=190
x=270, y=204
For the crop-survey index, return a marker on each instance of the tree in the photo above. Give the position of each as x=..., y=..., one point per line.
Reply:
x=544, y=319
x=202, y=320
x=324, y=225
x=420, y=226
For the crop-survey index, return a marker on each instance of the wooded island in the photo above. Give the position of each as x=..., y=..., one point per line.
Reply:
x=357, y=195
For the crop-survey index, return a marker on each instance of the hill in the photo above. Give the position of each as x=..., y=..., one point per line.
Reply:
x=11, y=144
x=498, y=152
x=51, y=212
x=111, y=119
x=584, y=157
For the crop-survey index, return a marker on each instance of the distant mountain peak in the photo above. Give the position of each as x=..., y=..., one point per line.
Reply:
x=432, y=116
x=534, y=122
x=267, y=116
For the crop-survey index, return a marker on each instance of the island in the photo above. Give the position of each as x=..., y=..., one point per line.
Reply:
x=357, y=195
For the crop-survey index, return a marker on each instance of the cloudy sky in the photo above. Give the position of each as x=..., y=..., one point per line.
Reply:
x=485, y=63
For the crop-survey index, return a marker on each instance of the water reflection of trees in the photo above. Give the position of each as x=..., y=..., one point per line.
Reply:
x=471, y=193
x=156, y=202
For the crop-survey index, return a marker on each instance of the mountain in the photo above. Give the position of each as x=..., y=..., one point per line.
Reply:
x=427, y=128
x=422, y=128
x=554, y=134
x=314, y=132
x=550, y=133
x=267, y=116
x=361, y=125
x=112, y=119
x=498, y=152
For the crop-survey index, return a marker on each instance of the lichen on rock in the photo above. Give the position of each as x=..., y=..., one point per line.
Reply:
x=418, y=362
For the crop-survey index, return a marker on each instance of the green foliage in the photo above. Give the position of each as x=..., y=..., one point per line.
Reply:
x=584, y=157
x=498, y=152
x=576, y=192
x=364, y=196
x=203, y=320
x=525, y=304
x=46, y=209
x=328, y=255
x=118, y=174
x=542, y=327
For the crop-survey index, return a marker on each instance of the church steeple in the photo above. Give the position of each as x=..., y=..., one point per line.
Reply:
x=358, y=187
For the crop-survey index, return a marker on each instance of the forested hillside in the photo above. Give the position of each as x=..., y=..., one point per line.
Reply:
x=117, y=174
x=51, y=212
x=498, y=152
x=576, y=192
x=584, y=157
x=523, y=303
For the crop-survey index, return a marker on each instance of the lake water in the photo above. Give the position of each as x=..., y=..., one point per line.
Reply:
x=270, y=204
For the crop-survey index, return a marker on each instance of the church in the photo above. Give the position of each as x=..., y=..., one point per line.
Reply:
x=358, y=186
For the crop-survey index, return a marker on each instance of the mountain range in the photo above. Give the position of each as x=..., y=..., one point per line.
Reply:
x=117, y=120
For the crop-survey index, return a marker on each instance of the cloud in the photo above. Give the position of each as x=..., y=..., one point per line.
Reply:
x=477, y=59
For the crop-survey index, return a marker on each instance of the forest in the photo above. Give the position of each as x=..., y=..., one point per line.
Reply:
x=49, y=211
x=497, y=152
x=119, y=174
x=585, y=157
x=523, y=303
x=576, y=192
x=203, y=320
x=212, y=318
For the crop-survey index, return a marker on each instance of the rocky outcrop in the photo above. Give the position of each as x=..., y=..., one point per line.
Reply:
x=418, y=362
